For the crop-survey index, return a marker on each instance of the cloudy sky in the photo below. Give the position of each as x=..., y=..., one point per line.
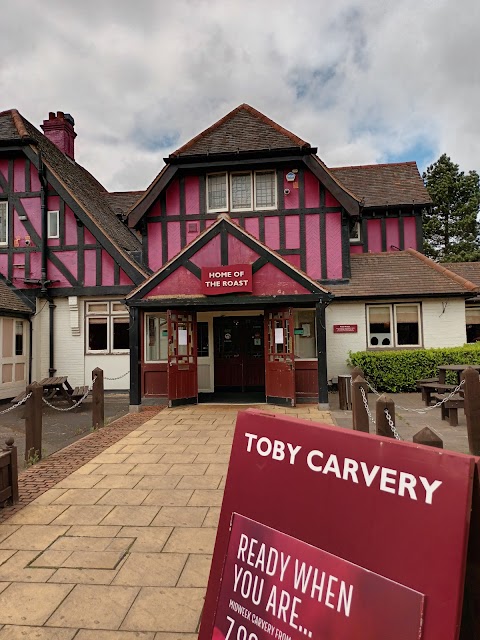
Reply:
x=365, y=81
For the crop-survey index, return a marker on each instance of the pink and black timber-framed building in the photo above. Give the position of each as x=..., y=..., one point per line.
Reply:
x=247, y=266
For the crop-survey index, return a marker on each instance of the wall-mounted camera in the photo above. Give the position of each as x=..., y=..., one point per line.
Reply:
x=286, y=192
x=27, y=241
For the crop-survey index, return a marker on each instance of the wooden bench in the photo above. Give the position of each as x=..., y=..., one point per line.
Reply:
x=431, y=387
x=20, y=396
x=79, y=392
x=449, y=409
x=420, y=384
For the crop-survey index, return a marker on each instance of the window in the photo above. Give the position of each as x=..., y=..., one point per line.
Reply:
x=19, y=338
x=107, y=327
x=472, y=317
x=202, y=339
x=304, y=330
x=247, y=191
x=156, y=337
x=355, y=232
x=53, y=224
x=3, y=222
x=396, y=325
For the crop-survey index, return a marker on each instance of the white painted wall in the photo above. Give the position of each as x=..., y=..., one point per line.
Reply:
x=443, y=326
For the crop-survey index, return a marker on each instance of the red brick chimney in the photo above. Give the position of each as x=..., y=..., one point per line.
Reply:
x=59, y=129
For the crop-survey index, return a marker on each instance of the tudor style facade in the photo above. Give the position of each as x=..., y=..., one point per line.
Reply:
x=334, y=255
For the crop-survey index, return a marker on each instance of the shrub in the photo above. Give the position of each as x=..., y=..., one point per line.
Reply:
x=398, y=371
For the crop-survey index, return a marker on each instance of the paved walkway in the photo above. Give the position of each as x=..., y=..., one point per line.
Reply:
x=120, y=549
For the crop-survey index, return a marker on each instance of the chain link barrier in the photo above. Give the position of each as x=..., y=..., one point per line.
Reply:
x=118, y=377
x=74, y=406
x=387, y=415
x=17, y=404
x=427, y=409
x=389, y=418
x=367, y=408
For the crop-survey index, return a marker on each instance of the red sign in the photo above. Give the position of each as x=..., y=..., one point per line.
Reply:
x=234, y=278
x=345, y=328
x=393, y=509
x=276, y=586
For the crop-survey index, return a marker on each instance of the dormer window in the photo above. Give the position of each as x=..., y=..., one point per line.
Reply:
x=355, y=232
x=241, y=191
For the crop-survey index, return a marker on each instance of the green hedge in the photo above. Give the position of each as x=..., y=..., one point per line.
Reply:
x=398, y=371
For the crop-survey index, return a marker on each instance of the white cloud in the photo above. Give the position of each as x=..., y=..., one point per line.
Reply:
x=364, y=81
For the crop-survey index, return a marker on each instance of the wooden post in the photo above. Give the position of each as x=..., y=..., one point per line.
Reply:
x=429, y=438
x=98, y=399
x=382, y=425
x=13, y=468
x=357, y=371
x=359, y=413
x=345, y=392
x=33, y=423
x=471, y=390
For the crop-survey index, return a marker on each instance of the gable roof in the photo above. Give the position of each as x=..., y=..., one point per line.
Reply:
x=400, y=273
x=468, y=270
x=380, y=185
x=224, y=224
x=11, y=302
x=85, y=190
x=122, y=201
x=243, y=129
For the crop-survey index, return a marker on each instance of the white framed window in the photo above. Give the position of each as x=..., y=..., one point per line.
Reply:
x=394, y=325
x=217, y=193
x=241, y=191
x=156, y=337
x=472, y=319
x=265, y=190
x=355, y=232
x=53, y=224
x=3, y=222
x=107, y=327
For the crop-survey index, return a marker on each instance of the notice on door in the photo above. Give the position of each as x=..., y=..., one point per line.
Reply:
x=234, y=278
x=275, y=586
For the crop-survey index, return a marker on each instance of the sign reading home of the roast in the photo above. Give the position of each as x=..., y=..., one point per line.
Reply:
x=234, y=278
x=360, y=520
x=275, y=586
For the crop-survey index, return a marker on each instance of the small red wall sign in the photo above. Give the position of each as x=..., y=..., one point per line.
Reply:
x=345, y=328
x=233, y=278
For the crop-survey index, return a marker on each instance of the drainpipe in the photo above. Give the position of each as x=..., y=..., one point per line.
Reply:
x=44, y=282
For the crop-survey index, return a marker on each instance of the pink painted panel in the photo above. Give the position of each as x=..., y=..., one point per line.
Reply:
x=71, y=229
x=312, y=244
x=270, y=281
x=32, y=209
x=393, y=233
x=356, y=248
x=292, y=232
x=19, y=231
x=330, y=201
x=293, y=199
x=108, y=277
x=209, y=255
x=409, y=233
x=154, y=231
x=239, y=253
x=19, y=174
x=89, y=238
x=293, y=259
x=34, y=179
x=208, y=223
x=173, y=239
x=35, y=265
x=334, y=245
x=312, y=190
x=90, y=268
x=4, y=264
x=69, y=259
x=172, y=197
x=124, y=279
x=252, y=226
x=154, y=209
x=181, y=281
x=193, y=230
x=272, y=232
x=192, y=194
x=374, y=232
x=18, y=269
x=4, y=169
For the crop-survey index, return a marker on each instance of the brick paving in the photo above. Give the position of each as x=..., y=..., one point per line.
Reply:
x=42, y=476
x=120, y=548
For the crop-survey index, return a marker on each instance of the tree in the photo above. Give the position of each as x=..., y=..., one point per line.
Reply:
x=451, y=229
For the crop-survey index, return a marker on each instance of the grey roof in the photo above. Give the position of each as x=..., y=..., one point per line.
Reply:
x=122, y=201
x=10, y=301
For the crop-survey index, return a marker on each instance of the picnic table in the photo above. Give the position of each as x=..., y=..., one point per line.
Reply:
x=458, y=368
